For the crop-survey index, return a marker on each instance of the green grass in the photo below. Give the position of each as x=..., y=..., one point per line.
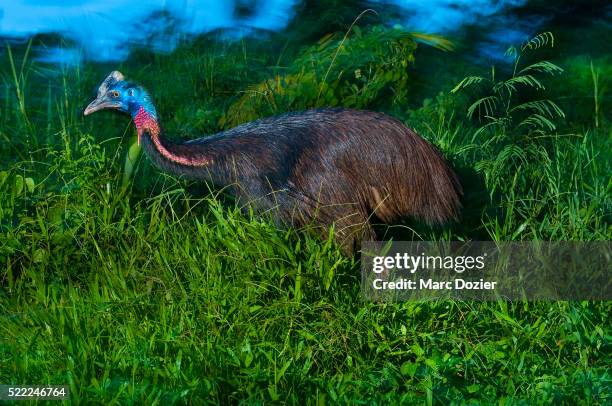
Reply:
x=148, y=289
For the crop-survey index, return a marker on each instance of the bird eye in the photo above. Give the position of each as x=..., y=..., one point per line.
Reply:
x=114, y=93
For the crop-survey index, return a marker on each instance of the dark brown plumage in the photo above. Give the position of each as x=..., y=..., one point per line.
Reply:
x=315, y=167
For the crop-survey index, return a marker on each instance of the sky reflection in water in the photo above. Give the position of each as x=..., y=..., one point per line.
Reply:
x=106, y=30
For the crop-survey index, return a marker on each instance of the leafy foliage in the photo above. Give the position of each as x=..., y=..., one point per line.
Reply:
x=512, y=125
x=501, y=111
x=352, y=71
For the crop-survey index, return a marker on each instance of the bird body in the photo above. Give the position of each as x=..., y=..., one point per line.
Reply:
x=321, y=167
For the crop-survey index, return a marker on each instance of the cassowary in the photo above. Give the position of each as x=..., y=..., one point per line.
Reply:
x=321, y=167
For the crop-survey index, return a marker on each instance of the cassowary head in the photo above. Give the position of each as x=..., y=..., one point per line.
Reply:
x=117, y=94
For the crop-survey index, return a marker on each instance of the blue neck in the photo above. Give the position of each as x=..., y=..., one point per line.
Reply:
x=146, y=103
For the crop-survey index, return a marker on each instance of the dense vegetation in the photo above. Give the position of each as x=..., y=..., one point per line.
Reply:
x=133, y=287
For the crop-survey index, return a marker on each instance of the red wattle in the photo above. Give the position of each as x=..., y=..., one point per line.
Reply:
x=146, y=122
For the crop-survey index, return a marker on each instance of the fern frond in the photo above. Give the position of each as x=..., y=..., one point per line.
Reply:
x=539, y=41
x=505, y=157
x=546, y=108
x=488, y=104
x=510, y=151
x=542, y=66
x=538, y=121
x=511, y=52
x=493, y=123
x=525, y=80
x=493, y=168
x=468, y=81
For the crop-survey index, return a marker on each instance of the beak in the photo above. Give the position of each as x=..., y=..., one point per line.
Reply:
x=99, y=104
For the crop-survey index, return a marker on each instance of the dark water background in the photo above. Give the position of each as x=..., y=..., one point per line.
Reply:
x=81, y=30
